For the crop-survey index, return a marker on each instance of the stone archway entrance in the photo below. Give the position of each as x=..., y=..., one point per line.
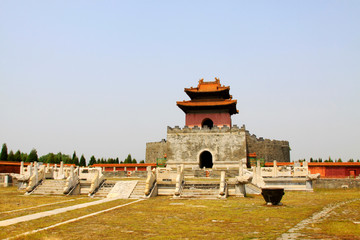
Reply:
x=206, y=160
x=208, y=123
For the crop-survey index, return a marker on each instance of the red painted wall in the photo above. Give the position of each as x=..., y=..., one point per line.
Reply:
x=121, y=166
x=335, y=170
x=219, y=119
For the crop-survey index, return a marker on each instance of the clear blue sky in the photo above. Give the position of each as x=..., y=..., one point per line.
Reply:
x=103, y=77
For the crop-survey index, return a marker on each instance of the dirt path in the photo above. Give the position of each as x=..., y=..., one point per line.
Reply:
x=296, y=232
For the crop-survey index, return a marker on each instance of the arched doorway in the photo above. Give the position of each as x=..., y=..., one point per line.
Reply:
x=205, y=160
x=207, y=122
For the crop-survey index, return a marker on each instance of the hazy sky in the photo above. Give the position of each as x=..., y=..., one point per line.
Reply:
x=103, y=77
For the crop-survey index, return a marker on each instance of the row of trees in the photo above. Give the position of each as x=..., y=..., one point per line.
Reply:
x=331, y=160
x=57, y=158
x=128, y=159
x=17, y=156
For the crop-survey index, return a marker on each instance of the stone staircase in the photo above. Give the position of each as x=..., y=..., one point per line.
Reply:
x=139, y=190
x=51, y=187
x=84, y=187
x=104, y=189
x=166, y=189
x=200, y=189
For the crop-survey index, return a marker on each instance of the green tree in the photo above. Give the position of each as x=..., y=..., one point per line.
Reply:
x=92, y=160
x=142, y=161
x=51, y=158
x=82, y=161
x=17, y=156
x=339, y=160
x=128, y=159
x=117, y=160
x=11, y=157
x=134, y=161
x=58, y=158
x=33, y=157
x=75, y=159
x=351, y=160
x=4, y=153
x=24, y=157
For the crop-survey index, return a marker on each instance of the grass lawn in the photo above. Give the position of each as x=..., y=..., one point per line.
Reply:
x=232, y=218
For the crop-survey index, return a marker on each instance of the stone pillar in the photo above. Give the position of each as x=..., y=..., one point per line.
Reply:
x=61, y=168
x=6, y=180
x=275, y=173
x=241, y=168
x=114, y=169
x=254, y=175
x=30, y=169
x=22, y=168
x=258, y=171
x=71, y=171
x=136, y=168
x=125, y=169
x=36, y=171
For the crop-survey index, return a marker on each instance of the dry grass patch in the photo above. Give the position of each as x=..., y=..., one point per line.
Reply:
x=233, y=218
x=166, y=218
x=22, y=227
x=13, y=199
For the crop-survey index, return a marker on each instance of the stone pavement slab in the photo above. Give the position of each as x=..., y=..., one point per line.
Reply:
x=122, y=189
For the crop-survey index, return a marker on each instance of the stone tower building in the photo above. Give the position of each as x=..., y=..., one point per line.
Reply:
x=209, y=139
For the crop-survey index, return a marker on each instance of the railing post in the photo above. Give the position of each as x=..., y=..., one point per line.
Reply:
x=36, y=172
x=71, y=171
x=275, y=169
x=30, y=169
x=241, y=169
x=22, y=168
x=6, y=180
x=61, y=168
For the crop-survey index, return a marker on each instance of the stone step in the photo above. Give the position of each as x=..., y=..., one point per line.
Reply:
x=84, y=191
x=199, y=193
x=200, y=196
x=48, y=193
x=166, y=191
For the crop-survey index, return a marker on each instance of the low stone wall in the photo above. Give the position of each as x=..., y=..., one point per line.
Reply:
x=10, y=181
x=336, y=183
x=139, y=174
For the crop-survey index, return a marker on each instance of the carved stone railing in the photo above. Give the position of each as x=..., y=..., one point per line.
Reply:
x=36, y=178
x=301, y=172
x=72, y=180
x=179, y=179
x=284, y=171
x=97, y=179
x=222, y=189
x=150, y=181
